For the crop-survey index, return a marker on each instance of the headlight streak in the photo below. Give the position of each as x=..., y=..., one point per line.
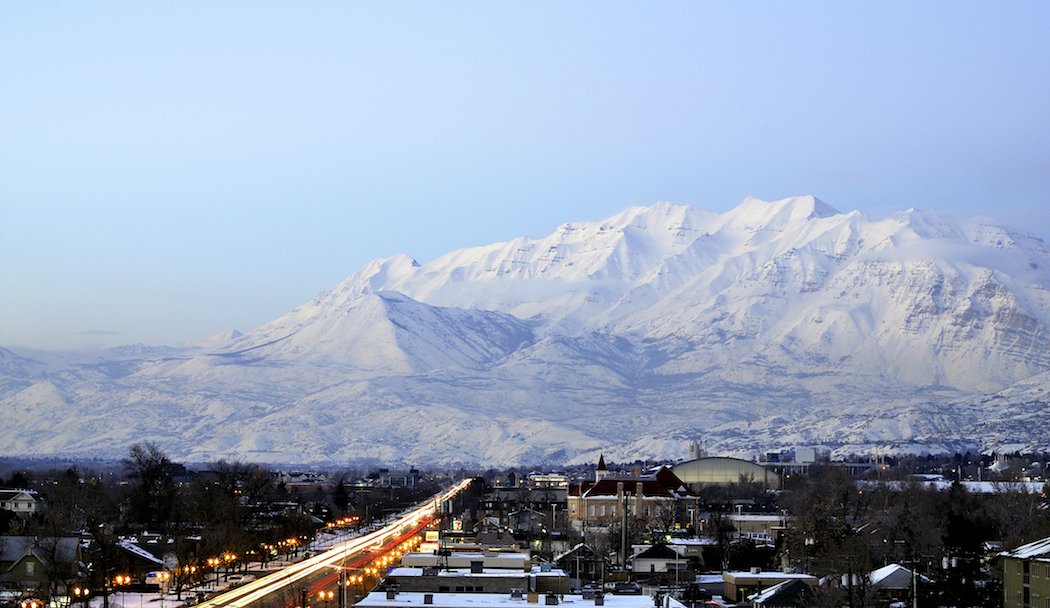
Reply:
x=333, y=558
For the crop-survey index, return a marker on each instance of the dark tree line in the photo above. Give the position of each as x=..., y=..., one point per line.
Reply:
x=226, y=508
x=844, y=528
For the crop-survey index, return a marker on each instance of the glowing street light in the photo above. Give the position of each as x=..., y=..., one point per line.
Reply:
x=325, y=596
x=120, y=580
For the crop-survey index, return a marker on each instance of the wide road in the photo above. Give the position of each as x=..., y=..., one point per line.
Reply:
x=365, y=558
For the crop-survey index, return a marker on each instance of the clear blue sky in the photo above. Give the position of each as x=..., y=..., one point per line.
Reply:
x=169, y=170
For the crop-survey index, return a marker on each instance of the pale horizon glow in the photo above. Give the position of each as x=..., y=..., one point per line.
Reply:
x=170, y=171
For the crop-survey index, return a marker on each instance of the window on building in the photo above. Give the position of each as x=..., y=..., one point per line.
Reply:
x=647, y=510
x=590, y=510
x=612, y=510
x=656, y=511
x=601, y=510
x=30, y=568
x=572, y=508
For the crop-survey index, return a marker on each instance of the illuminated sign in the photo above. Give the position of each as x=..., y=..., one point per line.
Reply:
x=432, y=536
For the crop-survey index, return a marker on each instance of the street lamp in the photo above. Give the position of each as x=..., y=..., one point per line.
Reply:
x=342, y=585
x=122, y=580
x=228, y=557
x=213, y=563
x=355, y=580
x=325, y=596
x=186, y=576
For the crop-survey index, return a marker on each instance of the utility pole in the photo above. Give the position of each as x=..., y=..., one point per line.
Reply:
x=914, y=581
x=623, y=533
x=342, y=584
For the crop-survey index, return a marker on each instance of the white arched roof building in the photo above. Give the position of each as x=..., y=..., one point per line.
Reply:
x=723, y=470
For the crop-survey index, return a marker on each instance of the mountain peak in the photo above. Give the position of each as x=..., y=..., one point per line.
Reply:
x=794, y=209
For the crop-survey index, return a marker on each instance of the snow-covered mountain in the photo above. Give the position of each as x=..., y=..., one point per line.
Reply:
x=771, y=325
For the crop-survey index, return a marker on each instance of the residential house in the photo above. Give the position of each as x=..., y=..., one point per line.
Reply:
x=660, y=562
x=897, y=583
x=138, y=559
x=583, y=564
x=739, y=586
x=44, y=564
x=792, y=593
x=20, y=502
x=527, y=521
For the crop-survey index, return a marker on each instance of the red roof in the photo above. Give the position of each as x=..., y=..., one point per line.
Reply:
x=664, y=483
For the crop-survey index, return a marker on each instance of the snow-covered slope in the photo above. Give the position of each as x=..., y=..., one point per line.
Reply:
x=783, y=323
x=383, y=331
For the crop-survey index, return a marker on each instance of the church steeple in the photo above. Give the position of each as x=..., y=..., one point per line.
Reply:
x=601, y=472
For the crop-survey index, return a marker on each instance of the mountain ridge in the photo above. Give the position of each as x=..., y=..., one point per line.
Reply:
x=774, y=324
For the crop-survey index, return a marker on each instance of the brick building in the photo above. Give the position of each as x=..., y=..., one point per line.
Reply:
x=659, y=496
x=1026, y=575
